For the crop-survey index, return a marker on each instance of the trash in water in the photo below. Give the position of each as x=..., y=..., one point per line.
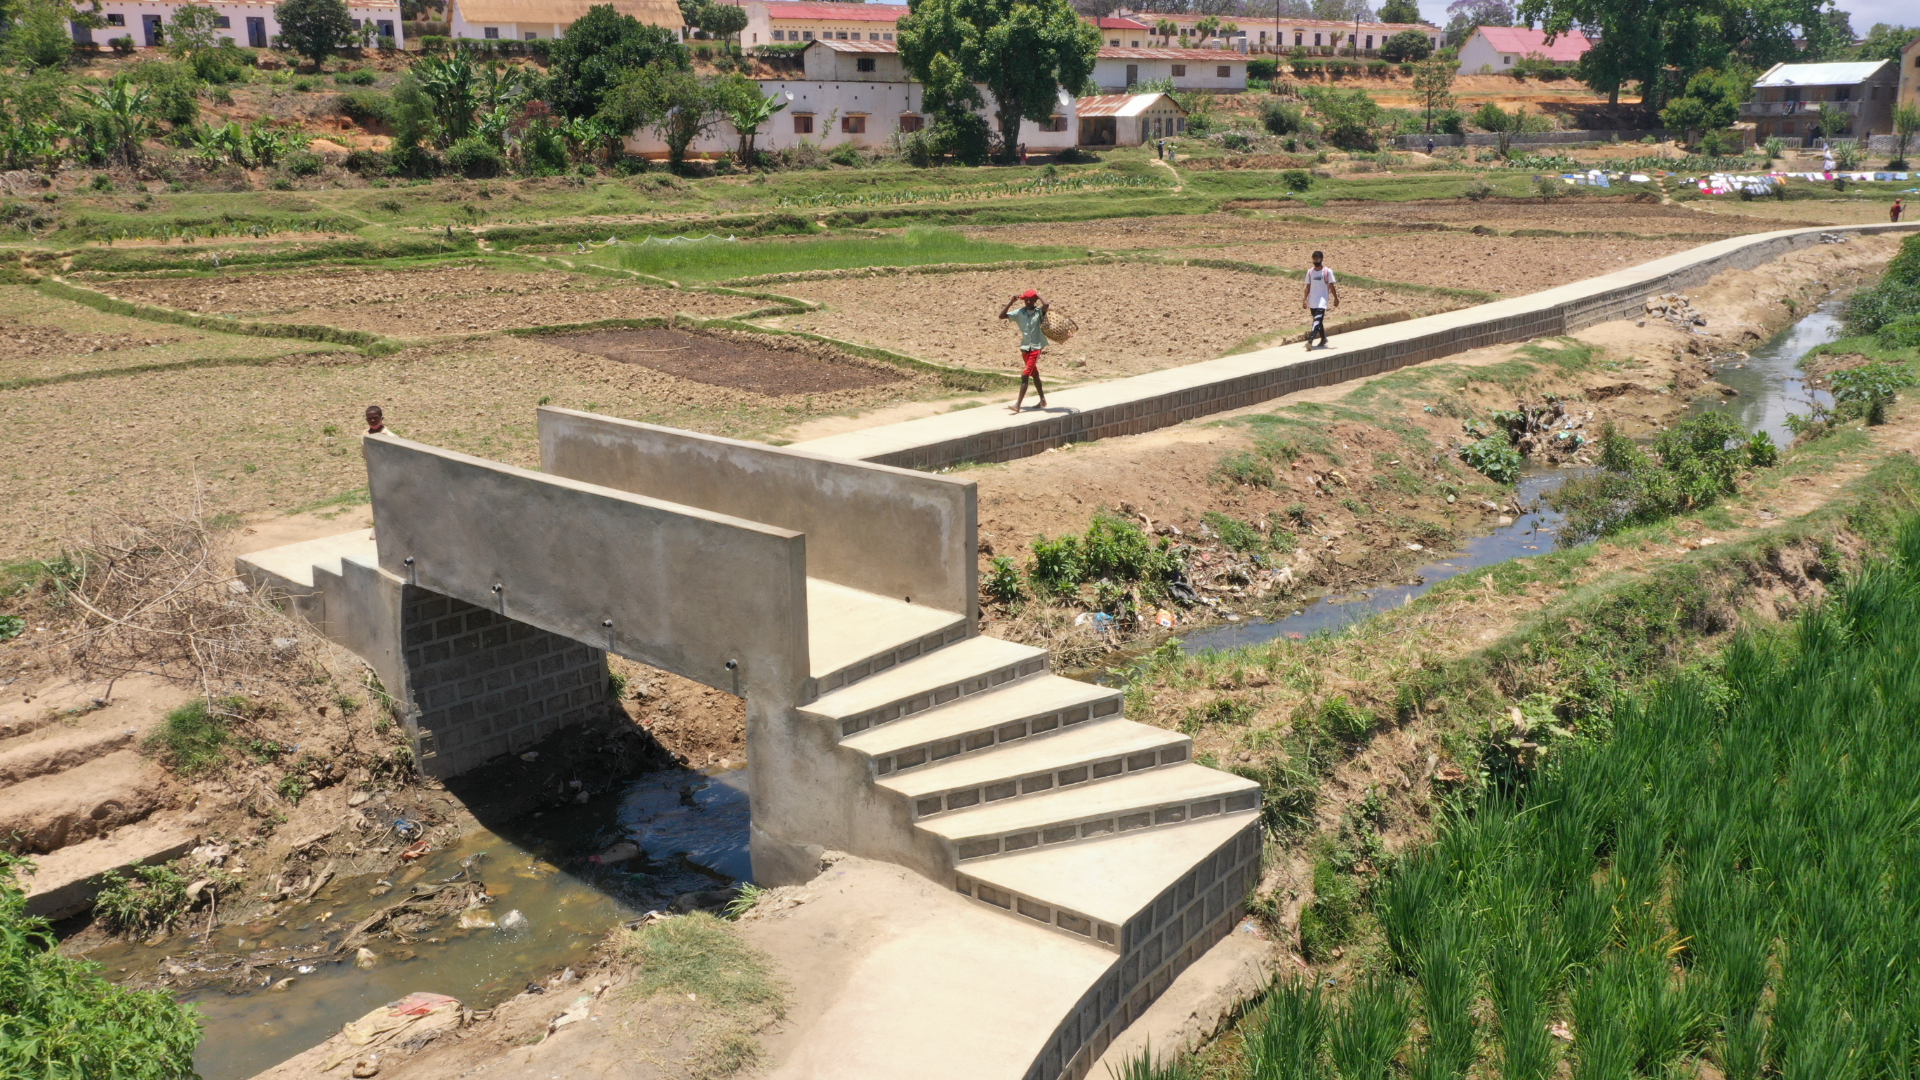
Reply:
x=513, y=920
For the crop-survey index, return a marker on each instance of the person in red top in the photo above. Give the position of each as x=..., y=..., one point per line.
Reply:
x=1031, y=318
x=1893, y=215
x=376, y=421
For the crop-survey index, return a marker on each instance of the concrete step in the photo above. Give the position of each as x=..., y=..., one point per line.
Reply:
x=50, y=812
x=61, y=749
x=1120, y=892
x=65, y=882
x=1084, y=754
x=1144, y=800
x=852, y=635
x=1036, y=706
x=290, y=566
x=958, y=670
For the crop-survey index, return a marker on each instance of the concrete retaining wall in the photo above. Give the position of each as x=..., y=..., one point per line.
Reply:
x=671, y=586
x=484, y=685
x=1542, y=138
x=889, y=531
x=1145, y=402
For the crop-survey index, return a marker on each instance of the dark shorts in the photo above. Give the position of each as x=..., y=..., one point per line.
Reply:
x=1032, y=359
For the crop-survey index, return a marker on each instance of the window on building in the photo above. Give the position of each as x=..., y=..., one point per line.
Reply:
x=1297, y=35
x=779, y=35
x=1316, y=41
x=1179, y=70
x=1136, y=45
x=888, y=37
x=1506, y=59
x=808, y=34
x=1056, y=122
x=911, y=122
x=1115, y=43
x=116, y=20
x=222, y=22
x=863, y=63
x=842, y=36
x=1369, y=41
x=803, y=123
x=853, y=124
x=490, y=33
x=531, y=36
x=1842, y=93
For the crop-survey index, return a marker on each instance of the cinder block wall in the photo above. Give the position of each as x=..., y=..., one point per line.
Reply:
x=482, y=684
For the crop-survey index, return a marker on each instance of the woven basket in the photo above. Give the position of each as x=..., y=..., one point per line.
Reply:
x=1059, y=326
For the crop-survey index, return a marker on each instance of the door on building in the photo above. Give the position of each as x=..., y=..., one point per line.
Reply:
x=1133, y=75
x=1099, y=131
x=82, y=35
x=151, y=25
x=256, y=33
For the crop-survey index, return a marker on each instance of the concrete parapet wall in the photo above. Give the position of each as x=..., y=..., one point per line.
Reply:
x=1571, y=137
x=685, y=590
x=483, y=684
x=883, y=530
x=1145, y=402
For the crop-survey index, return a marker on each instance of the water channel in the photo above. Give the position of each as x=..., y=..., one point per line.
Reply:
x=694, y=826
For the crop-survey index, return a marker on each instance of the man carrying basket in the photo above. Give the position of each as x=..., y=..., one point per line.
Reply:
x=1031, y=318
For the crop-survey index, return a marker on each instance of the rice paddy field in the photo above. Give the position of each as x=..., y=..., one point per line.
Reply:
x=1722, y=881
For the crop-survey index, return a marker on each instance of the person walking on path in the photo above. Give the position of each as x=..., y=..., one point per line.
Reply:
x=1893, y=215
x=1321, y=287
x=1029, y=312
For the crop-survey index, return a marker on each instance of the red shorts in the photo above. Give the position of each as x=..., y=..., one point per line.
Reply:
x=1032, y=358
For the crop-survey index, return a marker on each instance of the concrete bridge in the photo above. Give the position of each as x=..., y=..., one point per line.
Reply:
x=838, y=598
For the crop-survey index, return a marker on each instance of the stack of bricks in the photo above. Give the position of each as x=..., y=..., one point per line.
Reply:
x=482, y=684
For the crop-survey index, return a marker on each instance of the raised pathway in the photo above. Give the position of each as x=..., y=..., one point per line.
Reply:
x=1163, y=398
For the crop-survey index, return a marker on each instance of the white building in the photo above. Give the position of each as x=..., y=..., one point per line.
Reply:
x=853, y=61
x=1116, y=70
x=788, y=21
x=866, y=113
x=1498, y=48
x=1128, y=119
x=249, y=24
x=1320, y=36
x=545, y=20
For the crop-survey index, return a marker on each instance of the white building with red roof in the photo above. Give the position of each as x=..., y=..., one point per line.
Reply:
x=783, y=22
x=1496, y=49
x=1115, y=70
x=1119, y=31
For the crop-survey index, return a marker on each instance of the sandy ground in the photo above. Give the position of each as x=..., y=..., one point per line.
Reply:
x=1508, y=265
x=246, y=441
x=421, y=303
x=1132, y=319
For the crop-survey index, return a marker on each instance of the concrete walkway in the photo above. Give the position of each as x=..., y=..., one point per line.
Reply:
x=1163, y=398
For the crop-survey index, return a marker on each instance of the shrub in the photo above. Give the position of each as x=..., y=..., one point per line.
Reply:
x=1112, y=548
x=1234, y=534
x=365, y=107
x=303, y=163
x=1245, y=468
x=1407, y=45
x=1867, y=391
x=1693, y=464
x=846, y=154
x=151, y=900
x=1263, y=67
x=1902, y=333
x=1282, y=117
x=1349, y=119
x=62, y=1019
x=1550, y=187
x=1002, y=582
x=1896, y=297
x=1494, y=457
x=122, y=46
x=354, y=78
x=1478, y=190
x=1296, y=179
x=475, y=157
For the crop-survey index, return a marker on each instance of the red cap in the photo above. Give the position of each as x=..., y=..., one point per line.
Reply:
x=1029, y=295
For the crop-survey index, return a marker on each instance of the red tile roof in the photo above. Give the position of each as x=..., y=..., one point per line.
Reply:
x=1565, y=49
x=1111, y=23
x=792, y=10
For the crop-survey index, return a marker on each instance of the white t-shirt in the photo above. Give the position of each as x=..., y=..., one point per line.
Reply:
x=1317, y=282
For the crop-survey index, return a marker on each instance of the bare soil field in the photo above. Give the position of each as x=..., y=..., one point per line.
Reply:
x=1503, y=264
x=1121, y=234
x=44, y=337
x=733, y=361
x=421, y=303
x=244, y=441
x=1133, y=318
x=1574, y=214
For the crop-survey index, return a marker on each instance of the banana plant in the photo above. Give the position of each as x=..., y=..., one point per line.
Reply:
x=122, y=116
x=448, y=83
x=746, y=109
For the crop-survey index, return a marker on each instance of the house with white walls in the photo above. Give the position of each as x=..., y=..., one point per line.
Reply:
x=546, y=20
x=247, y=24
x=1496, y=49
x=1111, y=120
x=785, y=22
x=1255, y=33
x=1116, y=70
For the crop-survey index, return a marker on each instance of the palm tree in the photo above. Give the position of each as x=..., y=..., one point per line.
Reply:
x=746, y=109
x=122, y=117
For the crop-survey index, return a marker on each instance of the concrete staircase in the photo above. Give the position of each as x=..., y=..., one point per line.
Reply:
x=1047, y=804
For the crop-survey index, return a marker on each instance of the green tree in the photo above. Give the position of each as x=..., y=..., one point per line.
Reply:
x=1433, y=82
x=39, y=36
x=746, y=108
x=1406, y=45
x=673, y=101
x=194, y=29
x=316, y=29
x=1401, y=11
x=1167, y=29
x=599, y=49
x=1711, y=102
x=1025, y=53
x=1349, y=119
x=1885, y=41
x=724, y=21
x=1906, y=122
x=1505, y=125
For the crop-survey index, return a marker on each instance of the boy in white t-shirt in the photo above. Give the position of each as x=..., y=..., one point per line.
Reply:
x=1321, y=286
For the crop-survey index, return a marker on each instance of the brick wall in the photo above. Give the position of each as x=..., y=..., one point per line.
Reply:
x=482, y=685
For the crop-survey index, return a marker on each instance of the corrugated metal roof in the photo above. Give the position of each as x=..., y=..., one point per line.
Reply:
x=1108, y=52
x=652, y=12
x=856, y=46
x=1821, y=74
x=1566, y=48
x=791, y=10
x=1123, y=104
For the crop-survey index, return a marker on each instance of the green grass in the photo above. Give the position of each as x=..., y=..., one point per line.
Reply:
x=729, y=985
x=718, y=260
x=193, y=738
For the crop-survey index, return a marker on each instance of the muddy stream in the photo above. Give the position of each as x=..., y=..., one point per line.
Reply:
x=693, y=828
